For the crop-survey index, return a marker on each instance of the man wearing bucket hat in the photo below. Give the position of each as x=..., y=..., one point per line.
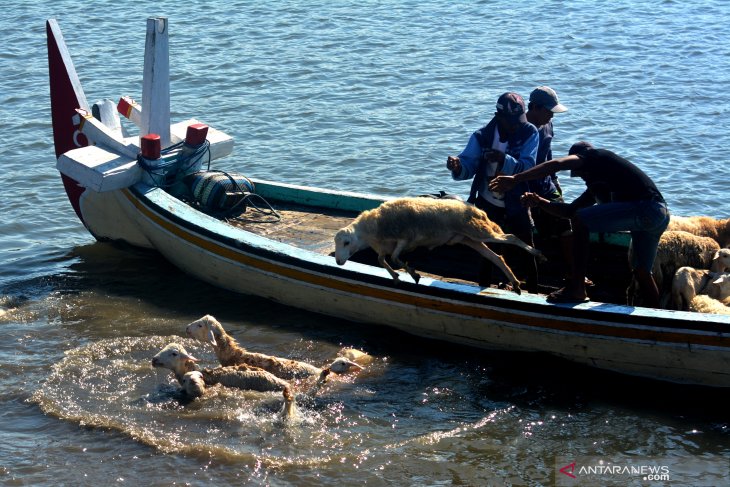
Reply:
x=508, y=144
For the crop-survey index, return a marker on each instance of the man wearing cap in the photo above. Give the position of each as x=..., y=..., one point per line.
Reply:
x=508, y=144
x=619, y=197
x=543, y=104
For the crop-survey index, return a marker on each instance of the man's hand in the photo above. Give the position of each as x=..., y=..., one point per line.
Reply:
x=453, y=164
x=531, y=200
x=502, y=184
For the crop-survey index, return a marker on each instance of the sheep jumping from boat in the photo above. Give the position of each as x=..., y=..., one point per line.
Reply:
x=688, y=281
x=405, y=224
x=209, y=330
x=704, y=226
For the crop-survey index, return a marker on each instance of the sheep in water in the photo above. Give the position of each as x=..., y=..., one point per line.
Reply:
x=209, y=330
x=194, y=382
x=175, y=358
x=404, y=224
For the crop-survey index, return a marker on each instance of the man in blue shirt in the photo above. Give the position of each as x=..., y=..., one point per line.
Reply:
x=507, y=145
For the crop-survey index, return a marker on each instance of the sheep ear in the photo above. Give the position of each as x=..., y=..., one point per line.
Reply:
x=720, y=279
x=187, y=356
x=211, y=337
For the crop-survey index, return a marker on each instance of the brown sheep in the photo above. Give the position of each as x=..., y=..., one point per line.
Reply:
x=703, y=303
x=704, y=226
x=209, y=330
x=404, y=224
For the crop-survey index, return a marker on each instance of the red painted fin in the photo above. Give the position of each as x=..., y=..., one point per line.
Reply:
x=66, y=96
x=66, y=92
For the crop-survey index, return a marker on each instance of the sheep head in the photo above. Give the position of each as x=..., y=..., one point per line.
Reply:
x=342, y=365
x=347, y=243
x=721, y=261
x=193, y=384
x=174, y=357
x=206, y=329
x=720, y=287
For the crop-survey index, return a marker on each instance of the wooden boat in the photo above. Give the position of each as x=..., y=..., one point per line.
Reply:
x=286, y=257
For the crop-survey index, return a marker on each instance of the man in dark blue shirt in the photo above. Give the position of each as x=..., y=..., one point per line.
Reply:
x=619, y=197
x=543, y=104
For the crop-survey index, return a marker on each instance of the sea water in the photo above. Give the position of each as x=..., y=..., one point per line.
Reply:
x=360, y=96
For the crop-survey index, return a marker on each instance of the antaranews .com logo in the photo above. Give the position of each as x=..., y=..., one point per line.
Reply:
x=625, y=470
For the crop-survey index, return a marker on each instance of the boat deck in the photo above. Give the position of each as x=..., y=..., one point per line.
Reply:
x=307, y=228
x=314, y=228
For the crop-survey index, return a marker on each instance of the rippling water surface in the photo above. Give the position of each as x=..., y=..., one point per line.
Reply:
x=362, y=96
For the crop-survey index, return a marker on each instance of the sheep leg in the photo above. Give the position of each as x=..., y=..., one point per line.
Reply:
x=383, y=263
x=510, y=239
x=495, y=259
x=395, y=257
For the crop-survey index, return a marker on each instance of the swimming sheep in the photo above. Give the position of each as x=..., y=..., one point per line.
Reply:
x=209, y=330
x=175, y=358
x=404, y=224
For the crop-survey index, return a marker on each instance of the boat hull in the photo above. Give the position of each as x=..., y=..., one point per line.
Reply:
x=674, y=346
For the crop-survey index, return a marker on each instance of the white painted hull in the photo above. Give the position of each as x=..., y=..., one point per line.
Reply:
x=667, y=345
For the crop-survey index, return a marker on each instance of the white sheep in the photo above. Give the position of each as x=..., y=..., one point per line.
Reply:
x=675, y=249
x=209, y=330
x=193, y=383
x=719, y=288
x=404, y=224
x=705, y=226
x=702, y=303
x=175, y=358
x=688, y=281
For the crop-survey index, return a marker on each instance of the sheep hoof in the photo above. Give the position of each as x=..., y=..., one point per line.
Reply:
x=516, y=288
x=415, y=275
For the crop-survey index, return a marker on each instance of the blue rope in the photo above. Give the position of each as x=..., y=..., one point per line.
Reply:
x=164, y=173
